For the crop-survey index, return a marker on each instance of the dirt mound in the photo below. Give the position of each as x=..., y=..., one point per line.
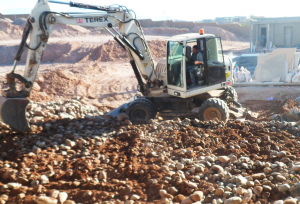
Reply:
x=20, y=21
x=68, y=30
x=14, y=29
x=103, y=85
x=165, y=31
x=220, y=32
x=112, y=51
x=8, y=30
x=64, y=52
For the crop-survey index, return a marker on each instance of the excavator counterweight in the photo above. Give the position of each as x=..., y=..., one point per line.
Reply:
x=12, y=112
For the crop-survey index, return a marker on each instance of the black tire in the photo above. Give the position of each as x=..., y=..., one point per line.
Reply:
x=214, y=108
x=231, y=93
x=141, y=110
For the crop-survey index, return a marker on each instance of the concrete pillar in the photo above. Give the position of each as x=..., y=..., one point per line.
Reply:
x=268, y=37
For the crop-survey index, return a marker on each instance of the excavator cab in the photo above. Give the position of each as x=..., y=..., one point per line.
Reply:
x=213, y=74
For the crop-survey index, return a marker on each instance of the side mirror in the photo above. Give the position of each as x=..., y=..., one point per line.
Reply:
x=188, y=52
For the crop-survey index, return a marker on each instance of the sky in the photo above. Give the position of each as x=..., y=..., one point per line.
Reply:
x=188, y=10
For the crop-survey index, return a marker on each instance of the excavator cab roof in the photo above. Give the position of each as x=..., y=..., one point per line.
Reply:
x=189, y=36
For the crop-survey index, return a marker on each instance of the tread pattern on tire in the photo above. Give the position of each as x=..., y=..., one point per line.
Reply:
x=142, y=103
x=230, y=91
x=216, y=103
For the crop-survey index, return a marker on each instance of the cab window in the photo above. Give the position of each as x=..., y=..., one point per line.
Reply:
x=174, y=58
x=214, y=50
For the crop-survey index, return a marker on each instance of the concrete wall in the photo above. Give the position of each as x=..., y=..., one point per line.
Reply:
x=234, y=28
x=278, y=33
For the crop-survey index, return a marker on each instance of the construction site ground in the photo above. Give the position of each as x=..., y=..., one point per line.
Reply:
x=76, y=154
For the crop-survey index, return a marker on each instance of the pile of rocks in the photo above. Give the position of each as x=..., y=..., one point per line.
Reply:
x=38, y=113
x=103, y=160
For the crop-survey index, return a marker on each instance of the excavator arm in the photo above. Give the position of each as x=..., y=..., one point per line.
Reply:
x=38, y=29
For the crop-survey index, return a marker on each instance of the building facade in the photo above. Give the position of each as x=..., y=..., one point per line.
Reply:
x=275, y=32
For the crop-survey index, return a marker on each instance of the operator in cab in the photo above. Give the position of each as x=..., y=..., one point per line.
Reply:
x=196, y=59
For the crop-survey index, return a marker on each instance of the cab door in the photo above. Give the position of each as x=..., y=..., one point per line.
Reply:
x=175, y=66
x=215, y=69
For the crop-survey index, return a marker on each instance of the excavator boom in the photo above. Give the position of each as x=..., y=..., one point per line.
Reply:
x=38, y=29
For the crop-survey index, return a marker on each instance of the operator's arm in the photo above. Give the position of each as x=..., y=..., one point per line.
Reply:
x=199, y=59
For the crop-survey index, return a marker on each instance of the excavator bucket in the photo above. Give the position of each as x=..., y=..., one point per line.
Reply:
x=12, y=112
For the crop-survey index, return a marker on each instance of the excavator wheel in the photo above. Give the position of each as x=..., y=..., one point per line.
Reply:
x=231, y=93
x=214, y=108
x=141, y=110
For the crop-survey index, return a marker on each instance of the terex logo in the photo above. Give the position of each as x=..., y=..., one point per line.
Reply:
x=79, y=20
x=96, y=19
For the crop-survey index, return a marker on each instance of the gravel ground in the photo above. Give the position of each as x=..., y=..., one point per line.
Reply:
x=97, y=159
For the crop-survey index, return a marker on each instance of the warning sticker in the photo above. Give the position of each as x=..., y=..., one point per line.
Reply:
x=145, y=64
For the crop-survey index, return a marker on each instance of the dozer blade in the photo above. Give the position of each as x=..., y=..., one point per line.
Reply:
x=12, y=112
x=241, y=113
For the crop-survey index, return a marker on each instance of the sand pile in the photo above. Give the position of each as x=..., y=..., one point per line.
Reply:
x=8, y=30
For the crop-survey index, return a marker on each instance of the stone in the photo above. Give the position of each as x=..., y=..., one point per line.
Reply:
x=135, y=197
x=162, y=193
x=128, y=122
x=217, y=168
x=247, y=196
x=179, y=198
x=187, y=201
x=258, y=176
x=279, y=202
x=266, y=195
x=180, y=166
x=240, y=180
x=44, y=179
x=54, y=194
x=233, y=200
x=70, y=143
x=290, y=201
x=69, y=202
x=14, y=185
x=173, y=190
x=240, y=190
x=224, y=159
x=283, y=187
x=62, y=197
x=45, y=200
x=197, y=196
x=102, y=175
x=192, y=185
x=267, y=170
x=21, y=195
x=219, y=192
x=267, y=188
x=258, y=190
x=280, y=178
x=296, y=168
